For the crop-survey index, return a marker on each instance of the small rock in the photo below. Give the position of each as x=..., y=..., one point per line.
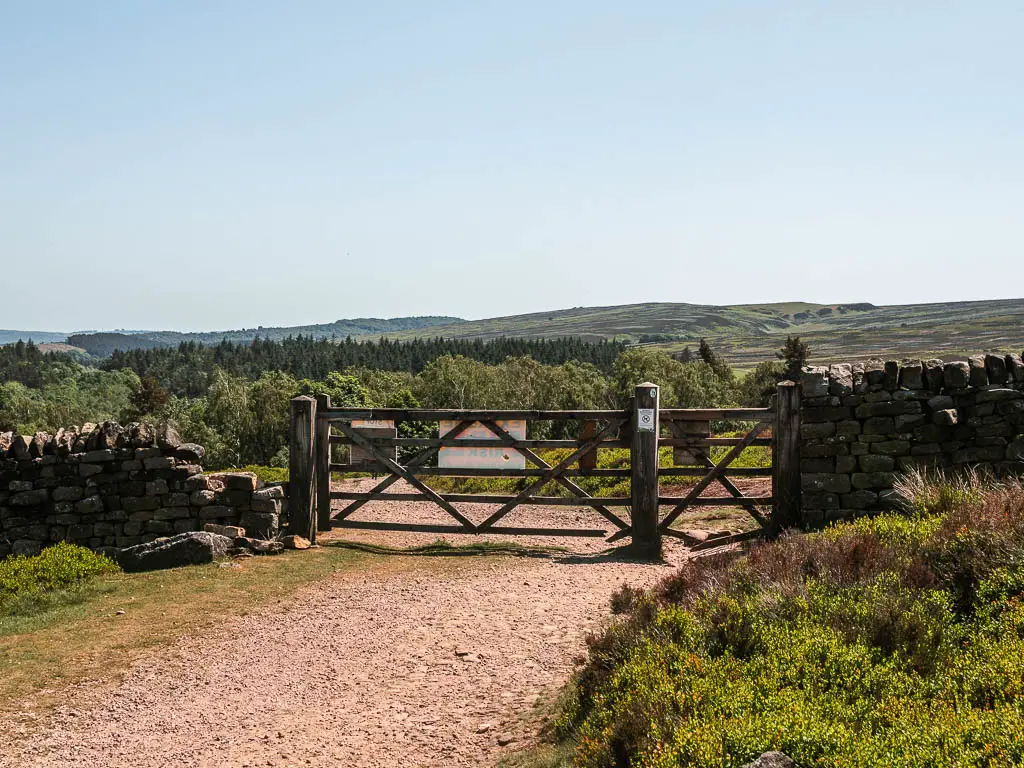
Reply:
x=39, y=444
x=119, y=613
x=237, y=481
x=261, y=524
x=167, y=437
x=141, y=435
x=259, y=546
x=814, y=381
x=696, y=534
x=112, y=435
x=483, y=728
x=270, y=492
x=204, y=483
x=505, y=739
x=20, y=447
x=772, y=760
x=190, y=452
x=184, y=549
x=202, y=498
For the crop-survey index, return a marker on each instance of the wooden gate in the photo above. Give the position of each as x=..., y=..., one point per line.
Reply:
x=643, y=429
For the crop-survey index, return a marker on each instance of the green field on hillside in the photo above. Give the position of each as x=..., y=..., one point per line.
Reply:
x=747, y=334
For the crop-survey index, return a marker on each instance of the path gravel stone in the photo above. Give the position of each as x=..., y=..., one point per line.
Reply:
x=413, y=661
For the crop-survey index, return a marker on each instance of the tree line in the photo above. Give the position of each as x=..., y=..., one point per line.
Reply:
x=240, y=413
x=188, y=368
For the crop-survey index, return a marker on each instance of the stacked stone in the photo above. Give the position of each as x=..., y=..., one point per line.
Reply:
x=864, y=423
x=107, y=487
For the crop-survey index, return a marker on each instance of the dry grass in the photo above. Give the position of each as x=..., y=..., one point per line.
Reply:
x=89, y=640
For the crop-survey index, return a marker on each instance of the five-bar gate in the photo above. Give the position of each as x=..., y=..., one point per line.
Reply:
x=642, y=429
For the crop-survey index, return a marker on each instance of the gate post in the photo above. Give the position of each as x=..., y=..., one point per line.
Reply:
x=786, y=458
x=301, y=488
x=322, y=463
x=643, y=460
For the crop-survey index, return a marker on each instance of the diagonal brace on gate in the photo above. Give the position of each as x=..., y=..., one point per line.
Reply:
x=715, y=474
x=418, y=460
x=551, y=473
x=746, y=502
x=398, y=471
x=508, y=440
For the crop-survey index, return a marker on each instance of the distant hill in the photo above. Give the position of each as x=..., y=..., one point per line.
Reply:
x=744, y=333
x=39, y=337
x=638, y=322
x=749, y=333
x=102, y=344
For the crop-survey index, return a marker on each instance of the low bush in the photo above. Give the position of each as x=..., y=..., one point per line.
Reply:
x=26, y=583
x=894, y=641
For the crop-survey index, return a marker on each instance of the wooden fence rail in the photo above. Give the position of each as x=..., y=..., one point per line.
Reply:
x=643, y=429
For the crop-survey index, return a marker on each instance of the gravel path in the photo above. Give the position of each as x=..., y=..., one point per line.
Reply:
x=413, y=661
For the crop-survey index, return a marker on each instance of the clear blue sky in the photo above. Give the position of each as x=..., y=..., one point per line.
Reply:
x=205, y=165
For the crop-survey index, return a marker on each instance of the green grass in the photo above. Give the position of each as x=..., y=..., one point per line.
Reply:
x=60, y=575
x=896, y=641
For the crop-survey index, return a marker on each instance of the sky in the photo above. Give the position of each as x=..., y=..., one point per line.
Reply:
x=201, y=165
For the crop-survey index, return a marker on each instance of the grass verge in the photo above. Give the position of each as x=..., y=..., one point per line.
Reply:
x=93, y=633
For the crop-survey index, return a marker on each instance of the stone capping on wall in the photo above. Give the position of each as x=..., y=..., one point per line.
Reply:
x=864, y=423
x=107, y=486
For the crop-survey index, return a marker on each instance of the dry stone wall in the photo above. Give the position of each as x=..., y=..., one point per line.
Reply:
x=863, y=423
x=107, y=487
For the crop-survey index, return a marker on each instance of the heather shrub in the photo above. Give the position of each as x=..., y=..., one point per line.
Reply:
x=896, y=640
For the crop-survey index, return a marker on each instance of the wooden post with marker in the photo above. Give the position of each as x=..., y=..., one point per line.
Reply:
x=644, y=464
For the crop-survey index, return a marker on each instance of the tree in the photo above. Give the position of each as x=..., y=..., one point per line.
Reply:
x=345, y=391
x=795, y=354
x=641, y=364
x=456, y=382
x=267, y=422
x=757, y=387
x=714, y=361
x=150, y=398
x=697, y=385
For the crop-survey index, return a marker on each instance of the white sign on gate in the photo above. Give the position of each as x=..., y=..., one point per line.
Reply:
x=646, y=419
x=372, y=428
x=372, y=424
x=499, y=457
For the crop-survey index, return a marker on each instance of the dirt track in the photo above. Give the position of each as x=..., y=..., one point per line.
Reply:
x=412, y=662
